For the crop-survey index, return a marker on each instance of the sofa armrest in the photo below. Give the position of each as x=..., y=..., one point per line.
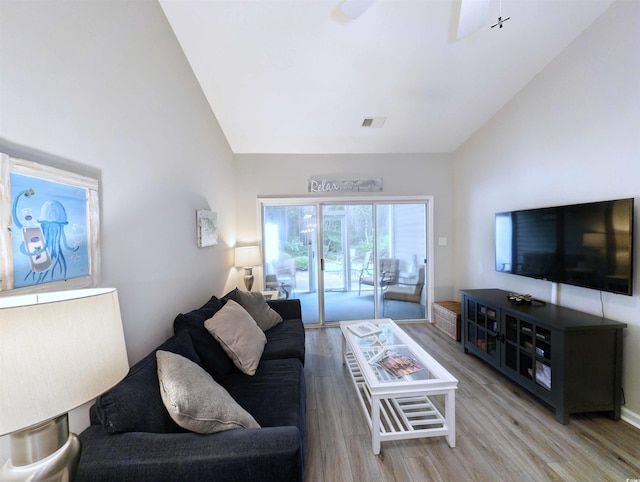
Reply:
x=265, y=454
x=288, y=309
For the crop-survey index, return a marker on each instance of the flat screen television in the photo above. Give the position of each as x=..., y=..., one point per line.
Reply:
x=588, y=245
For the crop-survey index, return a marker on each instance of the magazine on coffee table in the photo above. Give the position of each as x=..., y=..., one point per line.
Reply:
x=398, y=364
x=365, y=328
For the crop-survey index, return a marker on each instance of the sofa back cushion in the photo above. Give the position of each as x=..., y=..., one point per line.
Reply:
x=135, y=404
x=214, y=359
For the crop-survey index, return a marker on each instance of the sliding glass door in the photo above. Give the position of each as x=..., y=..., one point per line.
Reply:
x=347, y=247
x=349, y=260
x=402, y=260
x=289, y=238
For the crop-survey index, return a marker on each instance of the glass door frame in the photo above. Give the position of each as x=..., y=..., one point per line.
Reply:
x=323, y=256
x=318, y=202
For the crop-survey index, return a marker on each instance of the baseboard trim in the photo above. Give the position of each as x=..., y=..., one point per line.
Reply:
x=630, y=417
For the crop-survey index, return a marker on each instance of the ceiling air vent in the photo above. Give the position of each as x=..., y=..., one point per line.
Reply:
x=373, y=121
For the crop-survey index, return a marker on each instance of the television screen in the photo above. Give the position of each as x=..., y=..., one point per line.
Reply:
x=589, y=245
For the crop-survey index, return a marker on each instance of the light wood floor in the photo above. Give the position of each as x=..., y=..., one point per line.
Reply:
x=502, y=432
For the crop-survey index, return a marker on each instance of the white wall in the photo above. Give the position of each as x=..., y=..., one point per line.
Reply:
x=103, y=88
x=402, y=175
x=572, y=135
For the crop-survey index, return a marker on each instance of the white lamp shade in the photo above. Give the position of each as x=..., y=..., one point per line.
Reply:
x=247, y=256
x=57, y=351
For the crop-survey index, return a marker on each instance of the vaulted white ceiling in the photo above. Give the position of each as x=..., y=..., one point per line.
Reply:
x=298, y=76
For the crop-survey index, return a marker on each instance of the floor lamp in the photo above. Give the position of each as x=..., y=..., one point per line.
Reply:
x=58, y=351
x=247, y=257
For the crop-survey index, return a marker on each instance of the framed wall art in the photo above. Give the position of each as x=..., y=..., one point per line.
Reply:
x=321, y=184
x=207, y=227
x=50, y=228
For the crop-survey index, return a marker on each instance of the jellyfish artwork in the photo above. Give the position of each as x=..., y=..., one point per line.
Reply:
x=44, y=243
x=53, y=219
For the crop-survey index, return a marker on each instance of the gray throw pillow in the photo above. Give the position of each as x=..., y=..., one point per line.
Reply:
x=194, y=400
x=239, y=335
x=255, y=304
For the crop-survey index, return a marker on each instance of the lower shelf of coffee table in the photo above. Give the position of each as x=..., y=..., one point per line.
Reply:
x=401, y=417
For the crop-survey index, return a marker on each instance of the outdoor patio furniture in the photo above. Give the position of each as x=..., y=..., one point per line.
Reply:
x=411, y=293
x=389, y=269
x=282, y=277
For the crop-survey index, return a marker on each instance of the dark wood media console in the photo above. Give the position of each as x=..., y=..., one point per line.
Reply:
x=569, y=359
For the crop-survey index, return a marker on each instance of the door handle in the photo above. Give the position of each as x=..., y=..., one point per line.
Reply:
x=321, y=264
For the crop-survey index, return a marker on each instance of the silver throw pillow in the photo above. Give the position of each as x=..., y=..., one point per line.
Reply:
x=239, y=335
x=194, y=400
x=255, y=304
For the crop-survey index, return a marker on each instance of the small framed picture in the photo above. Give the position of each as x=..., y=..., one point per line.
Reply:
x=207, y=227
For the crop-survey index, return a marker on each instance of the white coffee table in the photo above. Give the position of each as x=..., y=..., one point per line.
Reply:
x=399, y=406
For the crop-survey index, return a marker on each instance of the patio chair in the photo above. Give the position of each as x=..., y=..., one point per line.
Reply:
x=411, y=293
x=406, y=292
x=282, y=277
x=389, y=269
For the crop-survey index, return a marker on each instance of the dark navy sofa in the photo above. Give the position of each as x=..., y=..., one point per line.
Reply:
x=133, y=438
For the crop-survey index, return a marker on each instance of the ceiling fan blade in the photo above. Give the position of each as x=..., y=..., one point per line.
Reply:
x=354, y=8
x=473, y=15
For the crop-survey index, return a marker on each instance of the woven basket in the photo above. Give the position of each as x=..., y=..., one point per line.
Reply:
x=446, y=316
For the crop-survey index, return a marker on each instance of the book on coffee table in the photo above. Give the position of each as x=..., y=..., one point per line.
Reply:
x=365, y=328
x=399, y=364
